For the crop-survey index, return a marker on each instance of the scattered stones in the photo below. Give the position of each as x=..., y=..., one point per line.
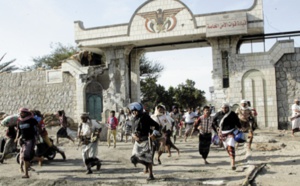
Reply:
x=283, y=145
x=272, y=141
x=267, y=147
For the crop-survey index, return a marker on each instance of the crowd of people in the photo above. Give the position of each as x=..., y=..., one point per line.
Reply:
x=151, y=134
x=27, y=130
x=157, y=132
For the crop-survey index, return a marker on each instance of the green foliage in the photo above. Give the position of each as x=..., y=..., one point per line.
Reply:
x=152, y=94
x=54, y=59
x=186, y=95
x=7, y=66
x=149, y=73
x=148, y=92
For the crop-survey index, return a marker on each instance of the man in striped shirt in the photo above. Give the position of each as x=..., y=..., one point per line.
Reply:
x=205, y=126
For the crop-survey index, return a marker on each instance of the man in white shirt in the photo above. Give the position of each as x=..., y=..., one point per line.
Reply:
x=189, y=119
x=89, y=133
x=295, y=116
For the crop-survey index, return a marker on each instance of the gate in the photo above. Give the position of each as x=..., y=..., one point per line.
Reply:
x=94, y=104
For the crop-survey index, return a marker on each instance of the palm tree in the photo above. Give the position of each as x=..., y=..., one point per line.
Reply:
x=6, y=66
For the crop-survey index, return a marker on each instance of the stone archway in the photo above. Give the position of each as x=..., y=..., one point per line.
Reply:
x=160, y=25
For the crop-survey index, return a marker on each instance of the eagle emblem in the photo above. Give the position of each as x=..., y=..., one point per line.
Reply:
x=160, y=20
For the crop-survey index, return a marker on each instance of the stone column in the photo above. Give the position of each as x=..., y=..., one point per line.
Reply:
x=125, y=74
x=220, y=45
x=81, y=75
x=117, y=63
x=135, y=75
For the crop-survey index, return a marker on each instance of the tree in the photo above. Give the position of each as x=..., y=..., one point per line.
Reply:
x=152, y=94
x=186, y=95
x=149, y=69
x=170, y=100
x=150, y=91
x=7, y=66
x=55, y=58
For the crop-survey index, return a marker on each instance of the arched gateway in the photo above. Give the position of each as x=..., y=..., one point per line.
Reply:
x=105, y=75
x=169, y=24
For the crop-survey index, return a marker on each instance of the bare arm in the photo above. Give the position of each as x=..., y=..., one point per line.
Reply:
x=18, y=134
x=79, y=130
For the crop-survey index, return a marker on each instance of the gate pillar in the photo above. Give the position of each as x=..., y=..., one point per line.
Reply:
x=225, y=86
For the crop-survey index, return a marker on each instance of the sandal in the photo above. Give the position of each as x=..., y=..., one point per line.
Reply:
x=25, y=176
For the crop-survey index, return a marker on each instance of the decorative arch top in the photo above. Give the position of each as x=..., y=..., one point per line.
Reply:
x=171, y=21
x=161, y=16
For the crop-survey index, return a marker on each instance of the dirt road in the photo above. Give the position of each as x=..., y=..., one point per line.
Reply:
x=278, y=150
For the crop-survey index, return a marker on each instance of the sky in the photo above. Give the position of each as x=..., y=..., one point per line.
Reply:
x=30, y=27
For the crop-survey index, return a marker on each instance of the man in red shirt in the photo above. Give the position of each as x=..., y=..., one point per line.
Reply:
x=112, y=123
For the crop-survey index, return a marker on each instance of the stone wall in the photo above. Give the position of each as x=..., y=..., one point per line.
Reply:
x=252, y=77
x=29, y=89
x=287, y=85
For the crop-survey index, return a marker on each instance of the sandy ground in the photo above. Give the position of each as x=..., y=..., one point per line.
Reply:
x=276, y=149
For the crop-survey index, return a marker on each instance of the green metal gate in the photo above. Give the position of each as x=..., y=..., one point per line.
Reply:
x=94, y=106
